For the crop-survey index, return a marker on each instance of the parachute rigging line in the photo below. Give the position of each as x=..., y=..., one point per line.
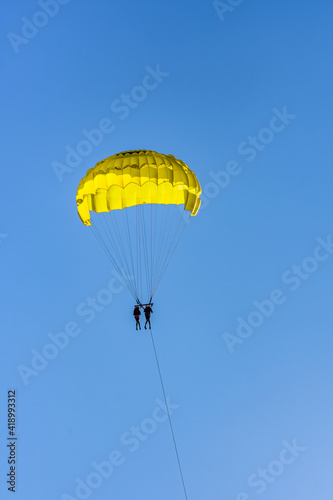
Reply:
x=99, y=238
x=130, y=247
x=116, y=232
x=116, y=198
x=171, y=251
x=169, y=416
x=145, y=248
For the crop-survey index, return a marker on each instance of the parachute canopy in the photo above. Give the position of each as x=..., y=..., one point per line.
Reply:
x=138, y=204
x=134, y=178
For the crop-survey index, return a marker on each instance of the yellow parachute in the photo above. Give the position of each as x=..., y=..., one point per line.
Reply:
x=127, y=191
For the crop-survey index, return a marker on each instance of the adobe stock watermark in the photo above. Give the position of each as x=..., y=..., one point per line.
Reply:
x=30, y=27
x=263, y=477
x=293, y=277
x=249, y=148
x=121, y=107
x=57, y=342
x=223, y=8
x=130, y=441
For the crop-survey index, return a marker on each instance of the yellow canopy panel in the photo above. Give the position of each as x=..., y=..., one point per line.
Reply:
x=134, y=178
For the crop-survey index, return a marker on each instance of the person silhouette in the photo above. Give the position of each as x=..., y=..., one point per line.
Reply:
x=147, y=310
x=137, y=314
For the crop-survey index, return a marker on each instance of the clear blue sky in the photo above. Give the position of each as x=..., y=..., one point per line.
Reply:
x=244, y=97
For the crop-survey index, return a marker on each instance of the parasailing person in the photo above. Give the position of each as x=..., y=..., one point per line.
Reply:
x=147, y=310
x=137, y=314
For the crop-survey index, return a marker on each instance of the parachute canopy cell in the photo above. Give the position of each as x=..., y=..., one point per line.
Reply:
x=135, y=178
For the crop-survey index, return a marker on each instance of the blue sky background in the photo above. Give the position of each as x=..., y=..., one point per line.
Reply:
x=235, y=409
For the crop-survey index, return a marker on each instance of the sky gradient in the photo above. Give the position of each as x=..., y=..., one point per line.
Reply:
x=241, y=92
